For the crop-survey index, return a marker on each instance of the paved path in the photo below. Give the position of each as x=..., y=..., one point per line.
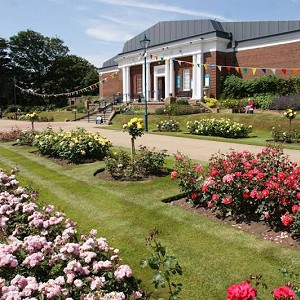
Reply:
x=194, y=148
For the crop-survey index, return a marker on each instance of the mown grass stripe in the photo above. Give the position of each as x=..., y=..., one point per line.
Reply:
x=212, y=254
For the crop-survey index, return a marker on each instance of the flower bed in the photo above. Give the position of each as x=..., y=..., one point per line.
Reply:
x=168, y=126
x=222, y=127
x=263, y=187
x=41, y=256
x=77, y=145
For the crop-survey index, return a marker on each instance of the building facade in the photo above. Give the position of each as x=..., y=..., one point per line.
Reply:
x=191, y=58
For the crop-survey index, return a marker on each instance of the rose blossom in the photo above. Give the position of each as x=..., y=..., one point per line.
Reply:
x=242, y=291
x=286, y=219
x=174, y=174
x=284, y=293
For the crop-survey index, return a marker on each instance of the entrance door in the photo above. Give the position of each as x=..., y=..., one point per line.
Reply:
x=161, y=88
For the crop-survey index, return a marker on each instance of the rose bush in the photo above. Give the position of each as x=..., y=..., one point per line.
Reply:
x=263, y=187
x=219, y=127
x=41, y=256
x=146, y=162
x=76, y=145
x=168, y=125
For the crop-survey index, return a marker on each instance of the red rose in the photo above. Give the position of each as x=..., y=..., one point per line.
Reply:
x=281, y=175
x=265, y=193
x=227, y=200
x=198, y=168
x=284, y=293
x=246, y=196
x=213, y=173
x=286, y=219
x=215, y=197
x=295, y=208
x=242, y=291
x=194, y=196
x=174, y=174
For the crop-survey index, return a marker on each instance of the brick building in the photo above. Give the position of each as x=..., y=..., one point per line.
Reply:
x=191, y=58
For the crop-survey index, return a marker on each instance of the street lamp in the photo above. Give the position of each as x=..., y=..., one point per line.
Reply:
x=145, y=43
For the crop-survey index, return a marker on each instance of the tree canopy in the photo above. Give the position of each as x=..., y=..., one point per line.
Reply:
x=42, y=65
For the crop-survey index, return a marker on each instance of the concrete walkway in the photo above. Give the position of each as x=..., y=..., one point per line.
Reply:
x=197, y=149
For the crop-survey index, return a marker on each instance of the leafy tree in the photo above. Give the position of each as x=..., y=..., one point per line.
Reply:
x=71, y=72
x=5, y=74
x=42, y=64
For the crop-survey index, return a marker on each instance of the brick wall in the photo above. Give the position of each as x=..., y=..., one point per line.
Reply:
x=280, y=56
x=111, y=86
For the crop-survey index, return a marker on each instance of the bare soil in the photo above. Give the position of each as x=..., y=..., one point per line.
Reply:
x=260, y=229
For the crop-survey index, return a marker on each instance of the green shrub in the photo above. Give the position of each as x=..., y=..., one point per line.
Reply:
x=168, y=126
x=182, y=101
x=76, y=146
x=146, y=162
x=222, y=127
x=263, y=101
x=160, y=111
x=210, y=102
x=236, y=87
x=285, y=136
x=229, y=103
x=178, y=109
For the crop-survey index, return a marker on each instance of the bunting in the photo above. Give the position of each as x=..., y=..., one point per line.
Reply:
x=70, y=94
x=264, y=70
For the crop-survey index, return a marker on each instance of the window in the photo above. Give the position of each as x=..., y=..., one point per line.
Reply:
x=186, y=80
x=139, y=84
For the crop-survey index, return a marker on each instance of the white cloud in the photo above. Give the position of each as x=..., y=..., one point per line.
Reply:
x=165, y=8
x=108, y=33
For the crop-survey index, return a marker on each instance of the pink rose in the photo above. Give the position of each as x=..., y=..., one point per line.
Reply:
x=284, y=293
x=227, y=200
x=215, y=197
x=198, y=168
x=295, y=208
x=242, y=291
x=174, y=175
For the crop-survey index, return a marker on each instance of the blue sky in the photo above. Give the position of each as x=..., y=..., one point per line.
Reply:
x=97, y=29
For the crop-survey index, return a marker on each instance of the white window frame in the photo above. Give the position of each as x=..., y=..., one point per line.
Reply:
x=186, y=80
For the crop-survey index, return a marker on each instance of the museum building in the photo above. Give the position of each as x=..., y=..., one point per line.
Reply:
x=191, y=58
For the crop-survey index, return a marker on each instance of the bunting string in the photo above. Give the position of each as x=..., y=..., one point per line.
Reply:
x=70, y=94
x=239, y=69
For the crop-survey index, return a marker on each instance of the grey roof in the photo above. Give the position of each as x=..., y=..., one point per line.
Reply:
x=170, y=31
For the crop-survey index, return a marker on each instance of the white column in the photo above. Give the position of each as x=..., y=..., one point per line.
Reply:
x=167, y=77
x=200, y=76
x=155, y=86
x=194, y=82
x=128, y=82
x=172, y=80
x=124, y=73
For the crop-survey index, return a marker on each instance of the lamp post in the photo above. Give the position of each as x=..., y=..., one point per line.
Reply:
x=145, y=43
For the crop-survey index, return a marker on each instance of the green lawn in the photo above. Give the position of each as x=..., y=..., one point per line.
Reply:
x=262, y=123
x=213, y=255
x=61, y=115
